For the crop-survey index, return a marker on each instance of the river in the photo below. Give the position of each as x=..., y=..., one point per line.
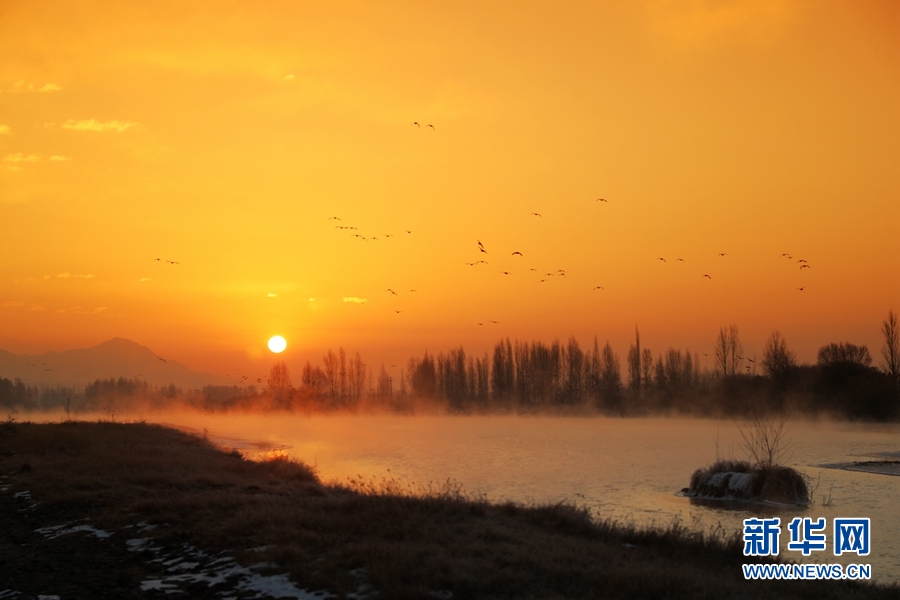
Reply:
x=625, y=469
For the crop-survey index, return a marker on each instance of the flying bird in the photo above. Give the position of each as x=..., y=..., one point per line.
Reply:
x=392, y=291
x=430, y=125
x=481, y=323
x=707, y=276
x=801, y=288
x=602, y=200
x=805, y=267
x=723, y=254
x=398, y=311
x=801, y=261
x=506, y=272
x=536, y=214
x=680, y=260
x=599, y=287
x=416, y=123
x=334, y=218
x=414, y=290
x=783, y=254
x=496, y=322
x=661, y=258
x=175, y=262
x=519, y=253
x=408, y=231
x=158, y=259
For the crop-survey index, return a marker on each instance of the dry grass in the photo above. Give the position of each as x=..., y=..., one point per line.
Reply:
x=405, y=541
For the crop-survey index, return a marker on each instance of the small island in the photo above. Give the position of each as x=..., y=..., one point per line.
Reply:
x=763, y=480
x=739, y=480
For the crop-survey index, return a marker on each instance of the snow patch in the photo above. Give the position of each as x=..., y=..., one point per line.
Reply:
x=190, y=565
x=55, y=531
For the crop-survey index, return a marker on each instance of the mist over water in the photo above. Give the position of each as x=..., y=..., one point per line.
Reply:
x=626, y=469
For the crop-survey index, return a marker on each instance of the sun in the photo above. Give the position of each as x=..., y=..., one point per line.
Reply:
x=277, y=344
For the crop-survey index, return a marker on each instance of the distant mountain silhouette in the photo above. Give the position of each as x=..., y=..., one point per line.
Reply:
x=116, y=358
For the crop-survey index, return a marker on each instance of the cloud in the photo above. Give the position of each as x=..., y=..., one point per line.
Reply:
x=37, y=307
x=289, y=77
x=4, y=129
x=78, y=310
x=19, y=157
x=271, y=295
x=353, y=299
x=94, y=125
x=21, y=87
x=58, y=158
x=67, y=275
x=11, y=304
x=144, y=279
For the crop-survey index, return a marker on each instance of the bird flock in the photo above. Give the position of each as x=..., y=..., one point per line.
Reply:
x=516, y=262
x=483, y=259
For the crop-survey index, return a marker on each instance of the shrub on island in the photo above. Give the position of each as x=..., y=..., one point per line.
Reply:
x=739, y=480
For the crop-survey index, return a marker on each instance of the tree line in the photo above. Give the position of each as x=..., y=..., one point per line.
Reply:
x=521, y=376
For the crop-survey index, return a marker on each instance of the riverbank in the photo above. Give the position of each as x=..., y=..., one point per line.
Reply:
x=135, y=510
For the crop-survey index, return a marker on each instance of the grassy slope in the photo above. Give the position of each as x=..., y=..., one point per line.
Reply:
x=118, y=474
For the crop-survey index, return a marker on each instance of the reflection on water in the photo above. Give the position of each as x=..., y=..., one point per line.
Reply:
x=627, y=469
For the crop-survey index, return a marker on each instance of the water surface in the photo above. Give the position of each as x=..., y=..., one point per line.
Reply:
x=627, y=469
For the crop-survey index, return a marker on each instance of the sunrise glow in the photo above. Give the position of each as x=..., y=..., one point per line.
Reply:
x=186, y=178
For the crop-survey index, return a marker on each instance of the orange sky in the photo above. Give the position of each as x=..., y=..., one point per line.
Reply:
x=223, y=135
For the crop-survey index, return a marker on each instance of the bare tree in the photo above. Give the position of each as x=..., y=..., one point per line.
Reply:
x=342, y=375
x=280, y=381
x=723, y=350
x=764, y=440
x=610, y=377
x=728, y=351
x=313, y=378
x=385, y=384
x=846, y=353
x=646, y=367
x=891, y=349
x=634, y=364
x=777, y=360
x=574, y=367
x=737, y=349
x=331, y=373
x=356, y=378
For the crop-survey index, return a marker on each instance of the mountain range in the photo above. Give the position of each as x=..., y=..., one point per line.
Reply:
x=115, y=358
